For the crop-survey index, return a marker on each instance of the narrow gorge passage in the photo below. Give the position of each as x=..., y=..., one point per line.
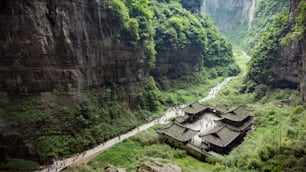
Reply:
x=79, y=77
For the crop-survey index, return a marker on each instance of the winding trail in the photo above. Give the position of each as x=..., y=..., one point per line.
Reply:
x=84, y=157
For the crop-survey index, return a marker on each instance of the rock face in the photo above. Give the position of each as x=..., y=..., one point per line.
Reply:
x=173, y=63
x=64, y=45
x=110, y=168
x=284, y=66
x=299, y=48
x=230, y=14
x=151, y=166
x=291, y=70
x=302, y=49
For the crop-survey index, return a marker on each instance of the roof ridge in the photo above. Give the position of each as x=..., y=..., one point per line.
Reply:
x=181, y=125
x=209, y=133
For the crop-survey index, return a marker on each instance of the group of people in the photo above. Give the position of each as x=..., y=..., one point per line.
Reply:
x=56, y=165
x=206, y=123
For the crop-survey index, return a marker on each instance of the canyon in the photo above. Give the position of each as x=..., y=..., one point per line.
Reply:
x=76, y=73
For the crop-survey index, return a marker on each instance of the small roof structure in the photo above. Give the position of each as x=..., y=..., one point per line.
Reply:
x=194, y=108
x=239, y=110
x=181, y=119
x=221, y=136
x=234, y=117
x=237, y=115
x=242, y=127
x=178, y=132
x=220, y=109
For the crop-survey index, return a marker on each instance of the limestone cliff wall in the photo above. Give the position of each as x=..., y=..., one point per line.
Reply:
x=284, y=66
x=291, y=69
x=173, y=63
x=229, y=14
x=300, y=47
x=64, y=45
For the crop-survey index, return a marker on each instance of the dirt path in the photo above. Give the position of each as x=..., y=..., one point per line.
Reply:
x=83, y=157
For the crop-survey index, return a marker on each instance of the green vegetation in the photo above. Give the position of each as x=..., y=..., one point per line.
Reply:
x=21, y=112
x=177, y=28
x=100, y=115
x=150, y=99
x=298, y=30
x=19, y=165
x=187, y=93
x=265, y=13
x=143, y=147
x=133, y=19
x=192, y=5
x=266, y=52
x=219, y=51
x=279, y=133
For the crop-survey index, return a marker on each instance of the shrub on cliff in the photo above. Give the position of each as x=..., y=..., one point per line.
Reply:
x=176, y=27
x=151, y=98
x=19, y=165
x=133, y=19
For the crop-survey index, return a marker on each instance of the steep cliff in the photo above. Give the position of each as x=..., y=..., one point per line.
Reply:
x=66, y=45
x=279, y=57
x=228, y=15
x=243, y=21
x=55, y=51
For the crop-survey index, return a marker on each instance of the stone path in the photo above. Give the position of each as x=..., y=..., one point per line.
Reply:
x=84, y=157
x=213, y=92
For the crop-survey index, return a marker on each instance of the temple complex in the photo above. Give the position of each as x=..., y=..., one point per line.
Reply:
x=204, y=131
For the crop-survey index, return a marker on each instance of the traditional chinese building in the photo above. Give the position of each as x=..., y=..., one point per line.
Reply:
x=176, y=134
x=222, y=130
x=229, y=131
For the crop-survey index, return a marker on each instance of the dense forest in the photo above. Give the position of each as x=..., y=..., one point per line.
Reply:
x=76, y=74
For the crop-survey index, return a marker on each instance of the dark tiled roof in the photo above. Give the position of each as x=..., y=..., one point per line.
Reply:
x=242, y=127
x=220, y=109
x=178, y=132
x=194, y=108
x=242, y=111
x=181, y=119
x=234, y=117
x=237, y=115
x=220, y=136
